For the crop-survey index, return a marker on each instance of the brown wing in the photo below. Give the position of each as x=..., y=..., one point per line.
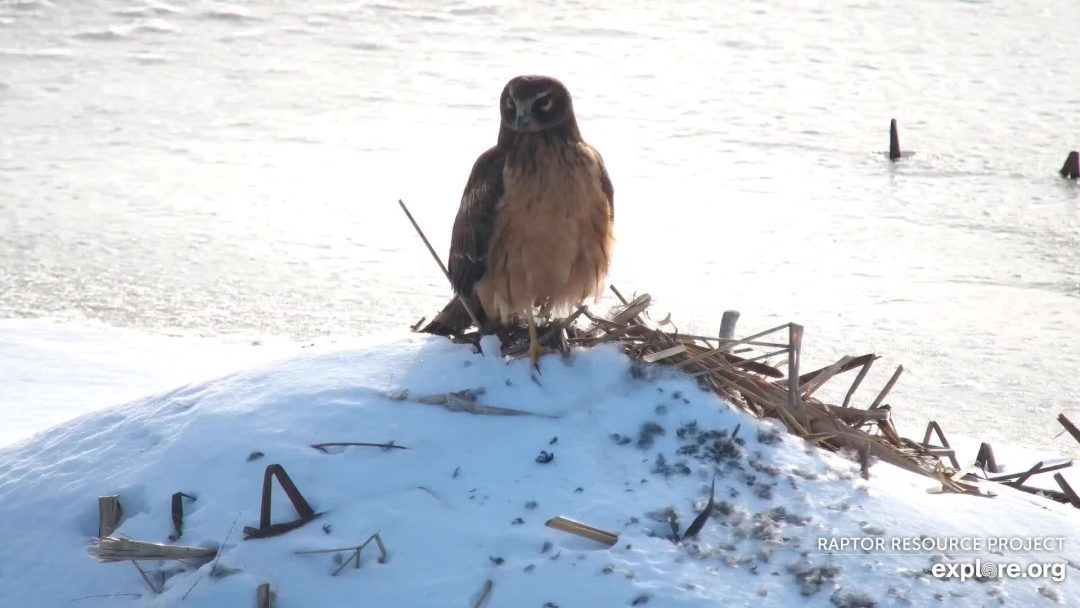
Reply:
x=605, y=185
x=475, y=221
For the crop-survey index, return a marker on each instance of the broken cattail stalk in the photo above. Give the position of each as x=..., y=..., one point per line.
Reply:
x=737, y=362
x=618, y=294
x=178, y=514
x=1044, y=492
x=482, y=596
x=1018, y=479
x=795, y=334
x=751, y=338
x=264, y=596
x=943, y=453
x=460, y=401
x=1043, y=466
x=1069, y=426
x=664, y=354
x=613, y=335
x=629, y=311
x=336, y=444
x=699, y=521
x=303, y=508
x=857, y=415
x=985, y=458
x=820, y=378
x=698, y=357
x=858, y=380
x=600, y=323
x=864, y=462
x=356, y=552
x=727, y=327
x=446, y=273
x=851, y=363
x=111, y=549
x=566, y=524
x=934, y=427
x=889, y=431
x=146, y=579
x=568, y=321
x=888, y=387
x=109, y=514
x=718, y=354
x=689, y=338
x=1074, y=500
x=378, y=542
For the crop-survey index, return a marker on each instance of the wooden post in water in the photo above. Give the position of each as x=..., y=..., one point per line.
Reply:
x=894, y=141
x=1071, y=168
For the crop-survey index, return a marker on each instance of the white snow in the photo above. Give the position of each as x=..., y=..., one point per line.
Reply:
x=467, y=501
x=54, y=369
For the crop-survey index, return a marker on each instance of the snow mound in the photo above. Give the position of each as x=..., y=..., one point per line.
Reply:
x=634, y=451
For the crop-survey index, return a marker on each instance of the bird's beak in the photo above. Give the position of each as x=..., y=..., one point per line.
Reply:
x=524, y=119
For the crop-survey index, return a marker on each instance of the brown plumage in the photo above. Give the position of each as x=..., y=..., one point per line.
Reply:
x=535, y=223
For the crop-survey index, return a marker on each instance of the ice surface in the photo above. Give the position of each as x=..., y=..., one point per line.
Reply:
x=224, y=166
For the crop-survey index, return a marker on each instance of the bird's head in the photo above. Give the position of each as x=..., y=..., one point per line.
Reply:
x=535, y=103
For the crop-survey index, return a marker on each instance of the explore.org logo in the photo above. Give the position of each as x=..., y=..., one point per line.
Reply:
x=980, y=570
x=961, y=557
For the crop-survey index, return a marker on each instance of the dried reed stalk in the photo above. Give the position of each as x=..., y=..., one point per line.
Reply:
x=264, y=596
x=355, y=551
x=112, y=549
x=438, y=260
x=485, y=591
x=566, y=524
x=109, y=514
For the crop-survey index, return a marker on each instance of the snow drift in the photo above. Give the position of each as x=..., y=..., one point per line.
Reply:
x=467, y=500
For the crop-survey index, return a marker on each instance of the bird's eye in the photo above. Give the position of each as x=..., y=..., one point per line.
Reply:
x=509, y=102
x=542, y=104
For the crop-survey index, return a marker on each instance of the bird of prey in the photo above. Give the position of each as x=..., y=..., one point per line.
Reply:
x=534, y=228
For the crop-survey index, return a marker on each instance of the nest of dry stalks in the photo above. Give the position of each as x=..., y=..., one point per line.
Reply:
x=760, y=373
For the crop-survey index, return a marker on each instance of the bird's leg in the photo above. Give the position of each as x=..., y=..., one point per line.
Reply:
x=534, y=340
x=546, y=322
x=545, y=310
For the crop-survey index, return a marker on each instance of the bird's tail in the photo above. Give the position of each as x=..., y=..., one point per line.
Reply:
x=453, y=319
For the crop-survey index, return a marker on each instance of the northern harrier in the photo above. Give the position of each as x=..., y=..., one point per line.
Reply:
x=535, y=224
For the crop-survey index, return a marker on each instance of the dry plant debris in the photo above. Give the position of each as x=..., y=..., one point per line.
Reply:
x=566, y=524
x=113, y=549
x=752, y=383
x=354, y=558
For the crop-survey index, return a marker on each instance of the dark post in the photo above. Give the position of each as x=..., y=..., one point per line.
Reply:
x=178, y=515
x=894, y=141
x=1071, y=168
